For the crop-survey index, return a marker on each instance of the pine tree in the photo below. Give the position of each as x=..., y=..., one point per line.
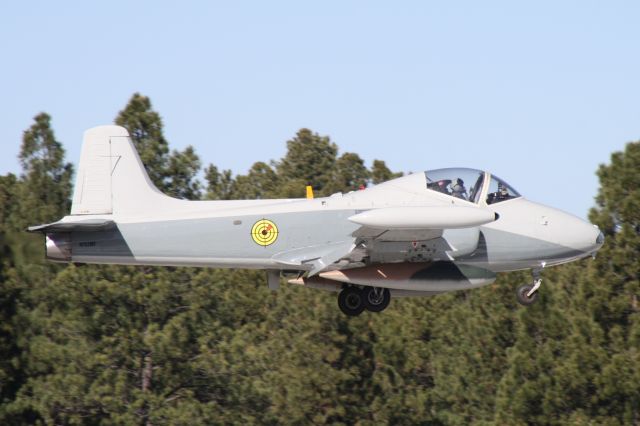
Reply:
x=260, y=183
x=41, y=195
x=174, y=173
x=310, y=160
x=146, y=130
x=182, y=170
x=381, y=173
x=575, y=359
x=11, y=375
x=613, y=286
x=350, y=174
x=45, y=188
x=220, y=185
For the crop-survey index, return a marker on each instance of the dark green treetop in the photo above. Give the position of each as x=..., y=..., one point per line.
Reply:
x=350, y=174
x=310, y=160
x=381, y=173
x=46, y=178
x=220, y=185
x=146, y=130
x=174, y=173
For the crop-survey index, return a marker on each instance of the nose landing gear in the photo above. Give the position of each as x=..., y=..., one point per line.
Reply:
x=527, y=294
x=352, y=301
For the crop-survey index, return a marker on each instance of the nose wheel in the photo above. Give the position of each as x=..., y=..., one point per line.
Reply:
x=527, y=294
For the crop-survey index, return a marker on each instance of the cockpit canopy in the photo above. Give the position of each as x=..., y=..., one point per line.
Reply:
x=468, y=184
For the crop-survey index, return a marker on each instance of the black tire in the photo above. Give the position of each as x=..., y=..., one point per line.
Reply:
x=350, y=301
x=376, y=299
x=521, y=295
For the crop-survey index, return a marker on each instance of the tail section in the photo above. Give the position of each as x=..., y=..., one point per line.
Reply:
x=111, y=178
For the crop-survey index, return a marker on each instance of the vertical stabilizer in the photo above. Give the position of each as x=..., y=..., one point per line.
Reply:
x=111, y=178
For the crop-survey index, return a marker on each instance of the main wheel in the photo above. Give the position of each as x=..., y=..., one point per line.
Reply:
x=376, y=299
x=350, y=301
x=521, y=295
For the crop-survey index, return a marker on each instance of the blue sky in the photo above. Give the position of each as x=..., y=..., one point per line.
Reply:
x=540, y=93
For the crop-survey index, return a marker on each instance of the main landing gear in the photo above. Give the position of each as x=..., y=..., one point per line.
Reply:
x=527, y=294
x=353, y=300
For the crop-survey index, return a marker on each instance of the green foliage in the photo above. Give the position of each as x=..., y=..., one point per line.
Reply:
x=45, y=188
x=310, y=160
x=220, y=186
x=350, y=174
x=145, y=128
x=41, y=195
x=577, y=354
x=182, y=170
x=142, y=345
x=174, y=173
x=260, y=182
x=123, y=344
x=381, y=173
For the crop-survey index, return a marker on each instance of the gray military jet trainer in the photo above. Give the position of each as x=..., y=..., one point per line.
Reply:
x=421, y=234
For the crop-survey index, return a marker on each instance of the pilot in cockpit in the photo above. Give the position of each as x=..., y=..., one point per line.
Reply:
x=458, y=190
x=440, y=186
x=503, y=192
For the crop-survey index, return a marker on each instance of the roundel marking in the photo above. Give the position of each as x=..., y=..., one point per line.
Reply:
x=264, y=232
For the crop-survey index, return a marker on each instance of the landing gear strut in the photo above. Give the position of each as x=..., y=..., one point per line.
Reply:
x=353, y=300
x=376, y=299
x=527, y=294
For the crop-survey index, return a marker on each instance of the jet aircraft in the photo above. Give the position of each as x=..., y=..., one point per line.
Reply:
x=421, y=234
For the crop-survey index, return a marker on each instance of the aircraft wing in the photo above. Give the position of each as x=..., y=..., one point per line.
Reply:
x=393, y=234
x=76, y=225
x=316, y=257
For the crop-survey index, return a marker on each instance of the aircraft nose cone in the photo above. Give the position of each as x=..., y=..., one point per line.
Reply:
x=593, y=239
x=575, y=234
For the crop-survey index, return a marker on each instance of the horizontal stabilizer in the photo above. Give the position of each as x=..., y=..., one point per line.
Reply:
x=435, y=217
x=79, y=225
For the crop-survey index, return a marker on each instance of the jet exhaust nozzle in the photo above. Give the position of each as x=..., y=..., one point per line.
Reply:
x=58, y=247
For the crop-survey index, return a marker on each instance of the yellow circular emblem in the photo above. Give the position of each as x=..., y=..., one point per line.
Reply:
x=264, y=232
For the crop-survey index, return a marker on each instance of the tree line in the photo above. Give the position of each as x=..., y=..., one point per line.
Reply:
x=95, y=344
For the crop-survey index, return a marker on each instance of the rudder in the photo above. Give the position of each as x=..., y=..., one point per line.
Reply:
x=111, y=177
